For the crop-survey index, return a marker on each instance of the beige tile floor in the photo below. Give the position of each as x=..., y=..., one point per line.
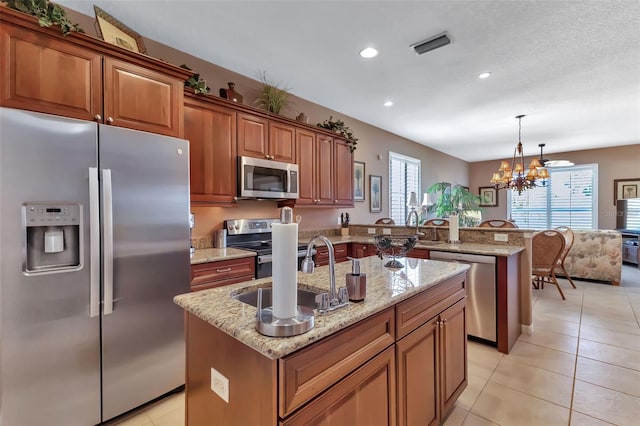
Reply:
x=581, y=366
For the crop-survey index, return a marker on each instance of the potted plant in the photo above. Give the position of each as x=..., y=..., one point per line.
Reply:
x=272, y=97
x=198, y=85
x=455, y=199
x=340, y=128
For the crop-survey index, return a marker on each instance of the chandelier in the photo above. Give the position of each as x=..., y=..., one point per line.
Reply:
x=512, y=176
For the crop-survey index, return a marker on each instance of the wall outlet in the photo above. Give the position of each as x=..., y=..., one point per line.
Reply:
x=386, y=231
x=501, y=237
x=220, y=385
x=371, y=230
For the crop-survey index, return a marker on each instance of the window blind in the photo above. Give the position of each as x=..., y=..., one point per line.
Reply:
x=568, y=199
x=404, y=177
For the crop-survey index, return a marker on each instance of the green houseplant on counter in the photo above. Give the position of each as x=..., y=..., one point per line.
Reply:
x=455, y=199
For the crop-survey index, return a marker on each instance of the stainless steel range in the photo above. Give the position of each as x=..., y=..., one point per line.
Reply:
x=255, y=235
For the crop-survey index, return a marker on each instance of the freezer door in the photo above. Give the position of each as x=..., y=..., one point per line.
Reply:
x=49, y=343
x=145, y=193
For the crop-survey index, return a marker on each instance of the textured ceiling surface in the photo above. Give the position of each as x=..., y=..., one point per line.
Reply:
x=573, y=67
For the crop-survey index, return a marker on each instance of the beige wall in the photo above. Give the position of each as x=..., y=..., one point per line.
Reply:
x=622, y=162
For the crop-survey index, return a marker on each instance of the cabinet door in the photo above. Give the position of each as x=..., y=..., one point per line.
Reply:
x=252, y=136
x=365, y=397
x=43, y=74
x=343, y=174
x=142, y=99
x=324, y=167
x=453, y=355
x=358, y=250
x=418, y=253
x=211, y=131
x=341, y=252
x=417, y=360
x=224, y=272
x=282, y=143
x=306, y=160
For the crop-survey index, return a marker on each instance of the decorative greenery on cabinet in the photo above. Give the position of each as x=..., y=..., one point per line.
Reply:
x=47, y=13
x=339, y=127
x=198, y=85
x=272, y=97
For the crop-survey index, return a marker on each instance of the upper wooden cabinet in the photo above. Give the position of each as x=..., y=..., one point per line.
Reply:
x=211, y=131
x=343, y=174
x=81, y=77
x=315, y=161
x=260, y=137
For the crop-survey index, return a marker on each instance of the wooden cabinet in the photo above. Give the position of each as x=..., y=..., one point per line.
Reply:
x=419, y=253
x=341, y=252
x=81, y=77
x=359, y=250
x=343, y=174
x=314, y=153
x=431, y=359
x=260, y=137
x=215, y=274
x=366, y=397
x=211, y=131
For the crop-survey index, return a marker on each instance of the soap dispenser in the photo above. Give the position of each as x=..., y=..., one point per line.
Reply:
x=356, y=282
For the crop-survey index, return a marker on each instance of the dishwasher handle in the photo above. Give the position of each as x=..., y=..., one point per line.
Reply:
x=462, y=257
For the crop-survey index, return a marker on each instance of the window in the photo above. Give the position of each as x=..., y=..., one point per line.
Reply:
x=569, y=199
x=404, y=177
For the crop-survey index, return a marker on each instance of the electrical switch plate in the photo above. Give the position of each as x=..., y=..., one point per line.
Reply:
x=371, y=230
x=501, y=237
x=220, y=385
x=386, y=231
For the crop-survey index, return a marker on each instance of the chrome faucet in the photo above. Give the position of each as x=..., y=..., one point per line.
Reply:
x=408, y=222
x=335, y=299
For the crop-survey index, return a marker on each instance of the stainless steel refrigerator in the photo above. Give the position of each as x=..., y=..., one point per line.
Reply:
x=94, y=245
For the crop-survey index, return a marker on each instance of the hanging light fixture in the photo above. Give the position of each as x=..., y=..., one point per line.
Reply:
x=513, y=176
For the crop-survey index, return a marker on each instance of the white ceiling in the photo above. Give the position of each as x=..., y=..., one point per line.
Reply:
x=573, y=67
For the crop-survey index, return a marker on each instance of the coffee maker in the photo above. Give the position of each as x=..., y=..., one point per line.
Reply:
x=52, y=237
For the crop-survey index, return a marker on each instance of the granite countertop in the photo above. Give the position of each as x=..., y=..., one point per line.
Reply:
x=216, y=254
x=384, y=289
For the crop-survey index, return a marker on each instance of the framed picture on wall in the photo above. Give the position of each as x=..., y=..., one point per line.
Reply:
x=488, y=196
x=115, y=32
x=625, y=188
x=375, y=193
x=358, y=181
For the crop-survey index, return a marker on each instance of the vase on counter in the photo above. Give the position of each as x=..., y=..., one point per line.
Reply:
x=302, y=118
x=230, y=93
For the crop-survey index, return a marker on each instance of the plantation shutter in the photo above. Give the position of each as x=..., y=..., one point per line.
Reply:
x=568, y=199
x=404, y=177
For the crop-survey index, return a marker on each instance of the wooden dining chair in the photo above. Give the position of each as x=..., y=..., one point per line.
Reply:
x=568, y=240
x=497, y=223
x=547, y=247
x=385, y=221
x=436, y=222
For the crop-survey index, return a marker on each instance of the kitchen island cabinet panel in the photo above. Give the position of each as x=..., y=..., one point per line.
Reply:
x=366, y=397
x=211, y=131
x=453, y=355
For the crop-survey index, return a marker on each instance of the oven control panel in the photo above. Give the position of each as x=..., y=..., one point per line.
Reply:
x=249, y=226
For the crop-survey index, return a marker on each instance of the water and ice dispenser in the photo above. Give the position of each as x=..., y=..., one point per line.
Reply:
x=52, y=236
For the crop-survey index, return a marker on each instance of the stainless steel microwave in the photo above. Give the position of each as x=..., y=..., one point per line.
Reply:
x=258, y=178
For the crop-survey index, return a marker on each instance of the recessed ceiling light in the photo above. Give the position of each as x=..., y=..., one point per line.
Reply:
x=388, y=103
x=485, y=75
x=368, y=52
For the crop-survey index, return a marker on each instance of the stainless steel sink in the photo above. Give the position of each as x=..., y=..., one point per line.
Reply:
x=305, y=298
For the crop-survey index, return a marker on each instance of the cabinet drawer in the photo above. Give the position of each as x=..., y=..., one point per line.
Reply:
x=341, y=252
x=414, y=312
x=308, y=372
x=213, y=274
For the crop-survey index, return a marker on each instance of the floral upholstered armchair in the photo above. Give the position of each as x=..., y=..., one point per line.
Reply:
x=596, y=255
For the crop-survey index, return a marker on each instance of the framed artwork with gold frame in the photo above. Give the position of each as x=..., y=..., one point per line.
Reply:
x=115, y=32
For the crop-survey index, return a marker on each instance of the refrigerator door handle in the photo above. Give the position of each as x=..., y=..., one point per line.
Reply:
x=107, y=217
x=94, y=243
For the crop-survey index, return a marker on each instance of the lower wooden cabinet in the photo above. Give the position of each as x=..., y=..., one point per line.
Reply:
x=215, y=274
x=365, y=397
x=432, y=368
x=341, y=252
x=359, y=250
x=419, y=253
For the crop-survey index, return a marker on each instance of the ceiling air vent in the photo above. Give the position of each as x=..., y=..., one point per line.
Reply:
x=431, y=44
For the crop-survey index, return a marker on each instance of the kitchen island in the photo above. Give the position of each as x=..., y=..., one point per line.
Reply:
x=399, y=357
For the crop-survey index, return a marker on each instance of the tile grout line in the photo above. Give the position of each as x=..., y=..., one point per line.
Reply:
x=575, y=364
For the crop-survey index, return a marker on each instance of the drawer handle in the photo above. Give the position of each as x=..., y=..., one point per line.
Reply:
x=223, y=269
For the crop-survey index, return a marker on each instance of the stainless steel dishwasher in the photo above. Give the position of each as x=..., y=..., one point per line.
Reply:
x=481, y=292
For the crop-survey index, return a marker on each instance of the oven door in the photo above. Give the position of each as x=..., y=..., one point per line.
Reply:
x=264, y=264
x=259, y=178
